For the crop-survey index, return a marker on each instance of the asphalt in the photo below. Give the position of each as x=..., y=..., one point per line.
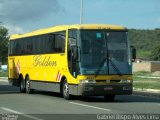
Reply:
x=48, y=105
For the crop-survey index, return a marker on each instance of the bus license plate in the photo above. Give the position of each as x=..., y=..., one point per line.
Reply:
x=108, y=88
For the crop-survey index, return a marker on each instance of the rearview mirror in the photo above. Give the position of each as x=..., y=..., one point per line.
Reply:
x=133, y=52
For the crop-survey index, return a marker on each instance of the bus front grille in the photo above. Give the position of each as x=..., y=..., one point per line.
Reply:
x=108, y=81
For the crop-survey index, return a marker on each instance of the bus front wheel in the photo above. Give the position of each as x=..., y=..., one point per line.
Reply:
x=28, y=89
x=65, y=91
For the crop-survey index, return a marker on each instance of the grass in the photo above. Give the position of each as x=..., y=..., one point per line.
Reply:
x=143, y=54
x=146, y=83
x=4, y=74
x=142, y=73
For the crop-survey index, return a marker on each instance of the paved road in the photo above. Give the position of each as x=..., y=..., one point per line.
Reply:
x=45, y=105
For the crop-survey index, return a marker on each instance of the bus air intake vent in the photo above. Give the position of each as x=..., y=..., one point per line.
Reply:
x=115, y=81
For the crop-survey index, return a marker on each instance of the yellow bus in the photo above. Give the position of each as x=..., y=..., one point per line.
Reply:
x=83, y=60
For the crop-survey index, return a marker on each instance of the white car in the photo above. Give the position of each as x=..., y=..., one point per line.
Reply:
x=4, y=67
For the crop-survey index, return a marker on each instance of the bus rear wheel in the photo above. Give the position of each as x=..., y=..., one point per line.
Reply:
x=65, y=90
x=109, y=97
x=22, y=85
x=28, y=89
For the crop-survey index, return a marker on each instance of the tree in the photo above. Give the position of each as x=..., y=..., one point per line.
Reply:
x=4, y=38
x=155, y=54
x=144, y=41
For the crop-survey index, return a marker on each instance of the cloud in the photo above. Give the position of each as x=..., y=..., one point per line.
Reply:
x=19, y=15
x=19, y=11
x=14, y=29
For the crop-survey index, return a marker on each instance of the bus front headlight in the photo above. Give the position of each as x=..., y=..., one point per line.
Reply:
x=87, y=81
x=126, y=81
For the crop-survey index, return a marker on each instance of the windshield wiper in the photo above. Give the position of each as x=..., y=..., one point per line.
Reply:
x=113, y=65
x=101, y=65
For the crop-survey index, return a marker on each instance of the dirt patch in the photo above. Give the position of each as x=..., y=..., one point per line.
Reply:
x=157, y=73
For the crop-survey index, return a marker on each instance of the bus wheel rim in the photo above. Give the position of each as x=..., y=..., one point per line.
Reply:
x=21, y=84
x=66, y=89
x=27, y=85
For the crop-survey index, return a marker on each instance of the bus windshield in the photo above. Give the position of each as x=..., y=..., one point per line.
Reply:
x=104, y=52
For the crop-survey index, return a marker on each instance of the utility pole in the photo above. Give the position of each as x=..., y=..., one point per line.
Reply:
x=81, y=12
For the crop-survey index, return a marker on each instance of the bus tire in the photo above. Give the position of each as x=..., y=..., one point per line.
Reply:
x=28, y=89
x=65, y=90
x=109, y=98
x=22, y=85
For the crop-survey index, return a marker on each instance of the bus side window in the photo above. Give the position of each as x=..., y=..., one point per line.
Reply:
x=59, y=44
x=51, y=43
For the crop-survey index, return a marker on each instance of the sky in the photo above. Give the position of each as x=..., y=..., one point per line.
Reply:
x=21, y=16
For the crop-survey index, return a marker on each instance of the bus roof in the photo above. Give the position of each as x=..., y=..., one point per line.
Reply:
x=64, y=27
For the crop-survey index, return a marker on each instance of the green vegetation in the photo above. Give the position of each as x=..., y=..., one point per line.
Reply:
x=144, y=54
x=146, y=41
x=142, y=73
x=3, y=44
x=155, y=54
x=145, y=83
x=4, y=74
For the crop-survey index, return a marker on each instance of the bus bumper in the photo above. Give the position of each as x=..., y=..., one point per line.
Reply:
x=101, y=89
